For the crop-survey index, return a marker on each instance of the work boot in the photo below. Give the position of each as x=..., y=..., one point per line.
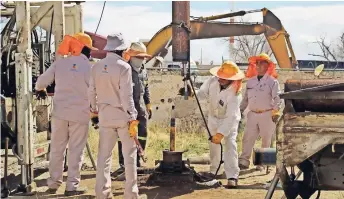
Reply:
x=142, y=196
x=232, y=183
x=243, y=167
x=78, y=191
x=260, y=168
x=121, y=177
x=119, y=171
x=51, y=191
x=208, y=175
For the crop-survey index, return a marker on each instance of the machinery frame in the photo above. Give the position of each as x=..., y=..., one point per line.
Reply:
x=23, y=107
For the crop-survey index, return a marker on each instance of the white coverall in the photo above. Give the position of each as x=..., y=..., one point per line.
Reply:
x=111, y=83
x=70, y=117
x=261, y=96
x=223, y=117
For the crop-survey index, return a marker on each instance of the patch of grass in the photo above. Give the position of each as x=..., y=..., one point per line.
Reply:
x=190, y=135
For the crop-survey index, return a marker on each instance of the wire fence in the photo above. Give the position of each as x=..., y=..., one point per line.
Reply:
x=164, y=85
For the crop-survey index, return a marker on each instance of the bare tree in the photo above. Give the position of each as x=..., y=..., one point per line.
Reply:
x=247, y=45
x=340, y=46
x=329, y=51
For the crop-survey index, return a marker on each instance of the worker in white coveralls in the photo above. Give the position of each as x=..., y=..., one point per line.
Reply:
x=262, y=100
x=111, y=94
x=70, y=115
x=224, y=93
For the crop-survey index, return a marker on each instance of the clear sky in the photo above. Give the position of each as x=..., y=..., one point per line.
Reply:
x=206, y=5
x=305, y=21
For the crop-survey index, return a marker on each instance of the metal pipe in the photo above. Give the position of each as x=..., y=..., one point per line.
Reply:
x=199, y=160
x=264, y=156
x=180, y=22
x=6, y=164
x=185, y=82
x=227, y=15
x=173, y=131
x=272, y=187
x=23, y=175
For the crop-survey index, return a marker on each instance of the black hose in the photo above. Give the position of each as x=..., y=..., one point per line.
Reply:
x=188, y=30
x=51, y=30
x=7, y=29
x=100, y=19
x=318, y=196
x=35, y=35
x=206, y=125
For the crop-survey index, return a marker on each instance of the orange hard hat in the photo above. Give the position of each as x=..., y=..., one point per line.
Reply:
x=85, y=39
x=260, y=57
x=252, y=70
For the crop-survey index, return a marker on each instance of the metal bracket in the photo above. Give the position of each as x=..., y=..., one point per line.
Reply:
x=29, y=56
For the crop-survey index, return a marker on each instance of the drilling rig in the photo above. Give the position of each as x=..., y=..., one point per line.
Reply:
x=25, y=122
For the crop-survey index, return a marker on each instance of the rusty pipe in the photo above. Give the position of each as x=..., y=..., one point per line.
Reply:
x=316, y=105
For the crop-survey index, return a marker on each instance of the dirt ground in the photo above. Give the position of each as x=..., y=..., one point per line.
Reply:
x=251, y=185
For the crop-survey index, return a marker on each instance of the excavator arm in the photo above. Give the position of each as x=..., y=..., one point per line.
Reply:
x=205, y=28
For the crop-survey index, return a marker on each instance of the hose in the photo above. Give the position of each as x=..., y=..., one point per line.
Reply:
x=100, y=19
x=318, y=196
x=206, y=125
x=188, y=30
x=50, y=33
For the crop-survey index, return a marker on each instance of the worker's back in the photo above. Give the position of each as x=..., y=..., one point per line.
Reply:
x=72, y=81
x=108, y=76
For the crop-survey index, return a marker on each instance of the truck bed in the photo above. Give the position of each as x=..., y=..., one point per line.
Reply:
x=303, y=134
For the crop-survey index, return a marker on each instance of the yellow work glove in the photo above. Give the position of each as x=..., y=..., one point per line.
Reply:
x=149, y=111
x=133, y=128
x=216, y=139
x=275, y=115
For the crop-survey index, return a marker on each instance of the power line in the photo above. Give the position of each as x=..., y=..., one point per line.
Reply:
x=101, y=16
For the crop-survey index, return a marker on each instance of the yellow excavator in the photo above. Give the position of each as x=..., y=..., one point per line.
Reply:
x=206, y=27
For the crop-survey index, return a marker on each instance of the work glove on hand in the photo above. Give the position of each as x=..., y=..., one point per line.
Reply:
x=133, y=128
x=149, y=111
x=275, y=115
x=216, y=139
x=42, y=94
x=182, y=91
